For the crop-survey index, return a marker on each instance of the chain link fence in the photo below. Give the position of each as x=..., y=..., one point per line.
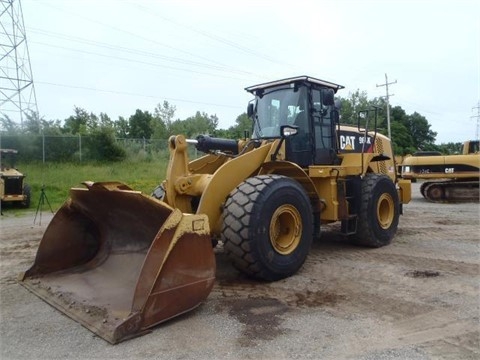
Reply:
x=79, y=148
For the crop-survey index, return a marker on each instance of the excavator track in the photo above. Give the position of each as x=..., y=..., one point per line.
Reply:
x=449, y=191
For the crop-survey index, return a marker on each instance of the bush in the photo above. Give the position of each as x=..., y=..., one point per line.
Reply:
x=101, y=146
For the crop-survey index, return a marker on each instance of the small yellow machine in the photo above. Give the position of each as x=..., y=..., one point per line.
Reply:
x=119, y=262
x=13, y=189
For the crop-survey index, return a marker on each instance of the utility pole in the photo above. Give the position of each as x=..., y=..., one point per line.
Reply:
x=388, y=102
x=17, y=93
x=478, y=119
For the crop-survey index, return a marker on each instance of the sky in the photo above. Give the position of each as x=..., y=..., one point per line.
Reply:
x=119, y=56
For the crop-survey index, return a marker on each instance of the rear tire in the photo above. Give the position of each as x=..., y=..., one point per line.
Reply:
x=379, y=213
x=267, y=227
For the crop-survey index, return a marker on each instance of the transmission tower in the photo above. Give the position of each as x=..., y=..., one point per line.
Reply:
x=17, y=92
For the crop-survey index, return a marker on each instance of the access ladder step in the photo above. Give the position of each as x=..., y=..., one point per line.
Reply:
x=349, y=225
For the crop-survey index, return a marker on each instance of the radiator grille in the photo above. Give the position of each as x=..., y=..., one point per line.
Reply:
x=13, y=185
x=382, y=167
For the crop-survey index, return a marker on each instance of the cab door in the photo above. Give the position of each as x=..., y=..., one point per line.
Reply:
x=324, y=118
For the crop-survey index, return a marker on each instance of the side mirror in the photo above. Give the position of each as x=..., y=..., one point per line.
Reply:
x=328, y=97
x=285, y=131
x=363, y=114
x=338, y=104
x=288, y=130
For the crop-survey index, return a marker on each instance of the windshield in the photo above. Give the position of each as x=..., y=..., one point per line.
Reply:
x=276, y=108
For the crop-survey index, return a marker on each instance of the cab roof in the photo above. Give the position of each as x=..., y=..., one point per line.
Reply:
x=292, y=80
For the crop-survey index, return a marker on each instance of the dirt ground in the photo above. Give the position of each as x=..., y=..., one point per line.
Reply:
x=418, y=298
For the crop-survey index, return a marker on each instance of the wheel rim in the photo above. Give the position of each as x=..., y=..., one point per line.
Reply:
x=285, y=229
x=385, y=211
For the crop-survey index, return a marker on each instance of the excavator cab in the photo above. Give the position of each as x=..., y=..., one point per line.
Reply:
x=471, y=147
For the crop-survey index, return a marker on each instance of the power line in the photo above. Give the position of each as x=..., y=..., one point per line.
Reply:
x=213, y=37
x=131, y=60
x=388, y=102
x=155, y=41
x=140, y=52
x=135, y=35
x=134, y=94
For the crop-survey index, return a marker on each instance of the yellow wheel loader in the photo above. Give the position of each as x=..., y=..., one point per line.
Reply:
x=13, y=189
x=119, y=261
x=447, y=178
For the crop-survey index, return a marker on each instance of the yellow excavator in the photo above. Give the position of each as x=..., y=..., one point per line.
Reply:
x=448, y=178
x=119, y=261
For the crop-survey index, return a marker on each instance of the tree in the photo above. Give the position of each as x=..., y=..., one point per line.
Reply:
x=200, y=124
x=32, y=124
x=82, y=122
x=351, y=105
x=409, y=132
x=401, y=139
x=140, y=125
x=51, y=127
x=242, y=125
x=101, y=145
x=423, y=137
x=122, y=128
x=162, y=120
x=8, y=125
x=105, y=121
x=418, y=127
x=450, y=148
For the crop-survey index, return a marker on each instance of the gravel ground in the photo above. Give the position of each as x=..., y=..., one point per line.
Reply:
x=417, y=298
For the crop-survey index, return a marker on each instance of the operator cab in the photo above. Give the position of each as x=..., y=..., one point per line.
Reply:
x=306, y=106
x=470, y=147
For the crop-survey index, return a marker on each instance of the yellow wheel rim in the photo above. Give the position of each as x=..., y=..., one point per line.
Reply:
x=385, y=210
x=285, y=229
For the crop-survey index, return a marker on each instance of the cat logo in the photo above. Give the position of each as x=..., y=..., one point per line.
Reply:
x=347, y=142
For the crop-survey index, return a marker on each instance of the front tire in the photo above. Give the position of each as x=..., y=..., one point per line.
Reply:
x=379, y=214
x=27, y=192
x=267, y=227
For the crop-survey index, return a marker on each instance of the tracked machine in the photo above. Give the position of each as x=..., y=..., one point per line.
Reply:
x=120, y=262
x=447, y=178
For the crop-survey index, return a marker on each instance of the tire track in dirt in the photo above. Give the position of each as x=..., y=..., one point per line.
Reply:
x=425, y=330
x=411, y=288
x=19, y=240
x=421, y=292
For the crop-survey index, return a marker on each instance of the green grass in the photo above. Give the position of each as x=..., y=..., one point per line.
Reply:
x=58, y=178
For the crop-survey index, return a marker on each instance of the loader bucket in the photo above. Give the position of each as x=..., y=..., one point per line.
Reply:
x=120, y=262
